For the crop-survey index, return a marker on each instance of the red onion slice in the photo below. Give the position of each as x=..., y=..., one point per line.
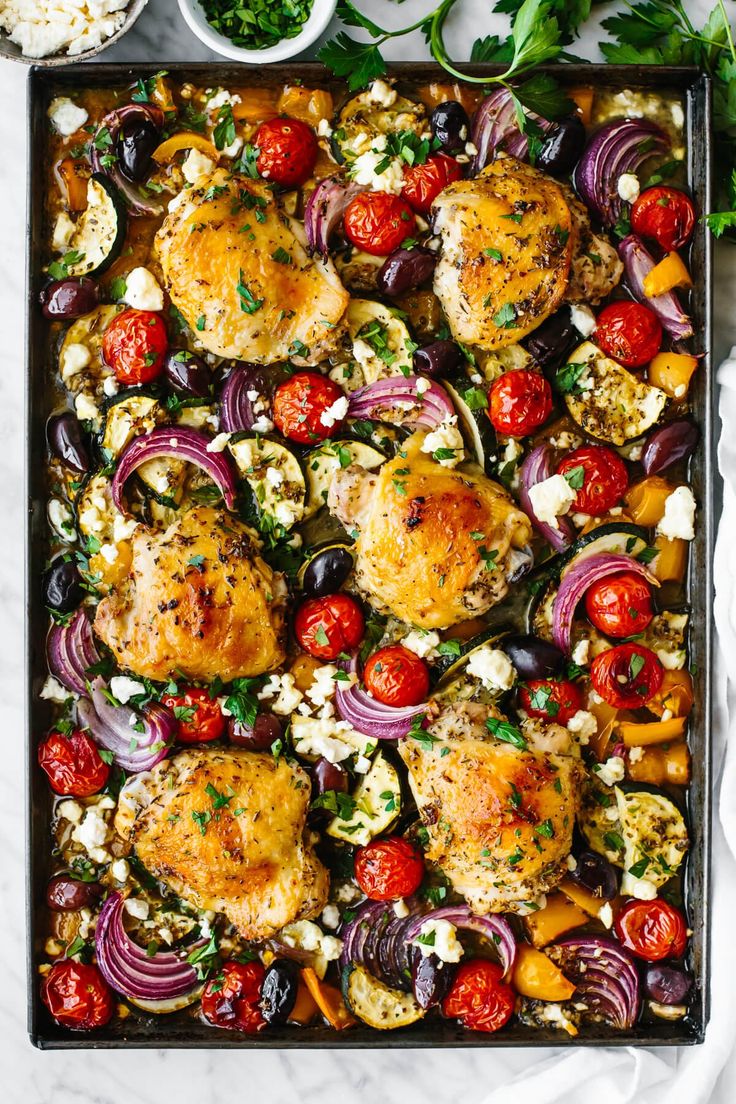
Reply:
x=184, y=444
x=325, y=208
x=497, y=930
x=638, y=261
x=112, y=727
x=71, y=651
x=621, y=146
x=371, y=718
x=495, y=126
x=605, y=977
x=536, y=468
x=236, y=409
x=397, y=401
x=105, y=140
x=668, y=444
x=576, y=581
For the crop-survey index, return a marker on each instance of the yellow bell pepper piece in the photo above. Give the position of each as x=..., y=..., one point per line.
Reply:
x=652, y=732
x=184, y=140
x=671, y=272
x=536, y=976
x=671, y=372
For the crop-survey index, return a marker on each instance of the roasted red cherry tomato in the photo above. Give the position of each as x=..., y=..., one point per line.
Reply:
x=387, y=869
x=77, y=995
x=200, y=717
x=601, y=484
x=423, y=183
x=287, y=151
x=652, y=929
x=396, y=676
x=479, y=997
x=73, y=764
x=300, y=406
x=327, y=626
x=134, y=346
x=620, y=605
x=231, y=998
x=664, y=214
x=626, y=676
x=551, y=700
x=629, y=332
x=521, y=402
x=377, y=222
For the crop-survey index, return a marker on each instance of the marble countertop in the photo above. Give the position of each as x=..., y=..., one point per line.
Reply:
x=352, y=1077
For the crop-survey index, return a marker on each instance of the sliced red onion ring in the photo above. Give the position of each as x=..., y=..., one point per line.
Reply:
x=495, y=126
x=574, y=584
x=105, y=140
x=112, y=727
x=236, y=409
x=182, y=443
x=71, y=651
x=324, y=210
x=380, y=722
x=638, y=261
x=605, y=977
x=376, y=938
x=621, y=146
x=536, y=468
x=494, y=928
x=396, y=400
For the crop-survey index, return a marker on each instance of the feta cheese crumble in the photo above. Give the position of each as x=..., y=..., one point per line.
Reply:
x=196, y=165
x=45, y=27
x=448, y=438
x=422, y=644
x=439, y=937
x=284, y=690
x=123, y=688
x=66, y=116
x=612, y=771
x=493, y=667
x=582, y=319
x=679, y=515
x=551, y=498
x=335, y=413
x=143, y=291
x=628, y=187
x=583, y=725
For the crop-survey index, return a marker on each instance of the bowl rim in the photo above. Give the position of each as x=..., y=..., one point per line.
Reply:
x=132, y=12
x=321, y=14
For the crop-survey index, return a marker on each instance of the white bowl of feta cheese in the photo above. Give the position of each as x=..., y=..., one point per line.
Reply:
x=58, y=32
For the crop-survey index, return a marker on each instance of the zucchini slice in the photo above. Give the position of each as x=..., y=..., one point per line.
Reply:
x=451, y=667
x=361, y=119
x=129, y=415
x=377, y=800
x=666, y=635
x=607, y=401
x=614, y=538
x=382, y=346
x=322, y=463
x=95, y=510
x=87, y=331
x=474, y=422
x=655, y=838
x=164, y=478
x=274, y=475
x=377, y=1005
x=99, y=232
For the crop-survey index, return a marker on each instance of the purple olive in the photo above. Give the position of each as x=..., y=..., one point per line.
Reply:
x=326, y=572
x=439, y=358
x=405, y=269
x=561, y=148
x=533, y=658
x=669, y=443
x=65, y=894
x=450, y=125
x=279, y=990
x=62, y=586
x=667, y=984
x=66, y=441
x=550, y=343
x=188, y=373
x=329, y=776
x=135, y=146
x=431, y=979
x=596, y=873
x=266, y=729
x=66, y=299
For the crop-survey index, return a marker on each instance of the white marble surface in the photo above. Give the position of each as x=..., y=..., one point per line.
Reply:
x=352, y=1077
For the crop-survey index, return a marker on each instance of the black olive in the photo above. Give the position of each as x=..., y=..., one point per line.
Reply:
x=279, y=990
x=69, y=298
x=135, y=146
x=450, y=125
x=329, y=776
x=326, y=572
x=188, y=373
x=66, y=441
x=439, y=358
x=595, y=873
x=66, y=894
x=62, y=586
x=259, y=736
x=667, y=984
x=533, y=658
x=405, y=269
x=550, y=343
x=561, y=148
x=431, y=979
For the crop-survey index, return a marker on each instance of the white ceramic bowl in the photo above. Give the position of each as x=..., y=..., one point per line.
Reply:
x=9, y=49
x=321, y=14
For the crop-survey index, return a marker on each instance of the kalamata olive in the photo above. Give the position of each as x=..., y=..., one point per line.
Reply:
x=63, y=300
x=533, y=658
x=326, y=572
x=265, y=730
x=561, y=148
x=329, y=776
x=279, y=990
x=669, y=443
x=65, y=894
x=431, y=979
x=188, y=373
x=550, y=343
x=596, y=873
x=66, y=441
x=135, y=146
x=62, y=586
x=450, y=125
x=667, y=984
x=405, y=269
x=439, y=358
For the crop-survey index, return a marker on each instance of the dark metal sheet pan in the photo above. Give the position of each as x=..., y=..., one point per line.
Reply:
x=181, y=1029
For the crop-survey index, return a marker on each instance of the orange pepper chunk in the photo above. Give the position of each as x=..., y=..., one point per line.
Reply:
x=329, y=1001
x=675, y=694
x=558, y=916
x=184, y=140
x=653, y=732
x=536, y=976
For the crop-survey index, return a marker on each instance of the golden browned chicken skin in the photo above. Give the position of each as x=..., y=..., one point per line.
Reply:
x=226, y=830
x=433, y=543
x=199, y=601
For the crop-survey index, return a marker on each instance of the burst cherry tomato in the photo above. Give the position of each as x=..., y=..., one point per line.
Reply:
x=521, y=402
x=387, y=869
x=396, y=676
x=377, y=222
x=551, y=700
x=629, y=332
x=479, y=997
x=73, y=764
x=325, y=627
x=77, y=995
x=301, y=405
x=231, y=999
x=200, y=717
x=652, y=929
x=287, y=151
x=134, y=346
x=423, y=183
x=601, y=484
x=620, y=605
x=664, y=214
x=626, y=676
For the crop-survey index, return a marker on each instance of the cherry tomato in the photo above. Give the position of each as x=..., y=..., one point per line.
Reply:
x=423, y=183
x=520, y=402
x=387, y=869
x=652, y=929
x=629, y=332
x=287, y=151
x=620, y=605
x=134, y=346
x=377, y=222
x=73, y=764
x=396, y=676
x=200, y=717
x=479, y=997
x=550, y=699
x=231, y=999
x=639, y=669
x=325, y=627
x=77, y=995
x=299, y=405
x=664, y=214
x=605, y=479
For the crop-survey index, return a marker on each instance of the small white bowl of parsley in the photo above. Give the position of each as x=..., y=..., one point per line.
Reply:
x=258, y=31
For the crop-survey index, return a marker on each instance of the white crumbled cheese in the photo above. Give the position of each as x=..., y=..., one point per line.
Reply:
x=324, y=130
x=143, y=291
x=553, y=1013
x=71, y=811
x=137, y=908
x=262, y=425
x=605, y=915
x=123, y=688
x=287, y=512
x=234, y=148
x=109, y=553
x=363, y=169
x=581, y=652
x=347, y=893
x=671, y=661
x=86, y=408
x=642, y=889
x=551, y=498
x=680, y=390
x=65, y=115
x=283, y=689
x=196, y=165
x=583, y=724
x=335, y=413
x=323, y=685
x=422, y=385
x=362, y=764
x=120, y=870
x=45, y=27
x=612, y=771
x=123, y=528
x=204, y=926
x=91, y=832
x=493, y=667
x=382, y=94
x=110, y=386
x=443, y=941
x=305, y=935
x=636, y=753
x=401, y=909
x=218, y=443
x=274, y=477
x=60, y=520
x=331, y=948
x=446, y=436
x=679, y=515
x=166, y=936
x=422, y=644
x=331, y=916
x=52, y=690
x=74, y=359
x=63, y=232
x=628, y=187
x=320, y=736
x=571, y=862
x=512, y=451
x=678, y=115
x=582, y=319
x=220, y=98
